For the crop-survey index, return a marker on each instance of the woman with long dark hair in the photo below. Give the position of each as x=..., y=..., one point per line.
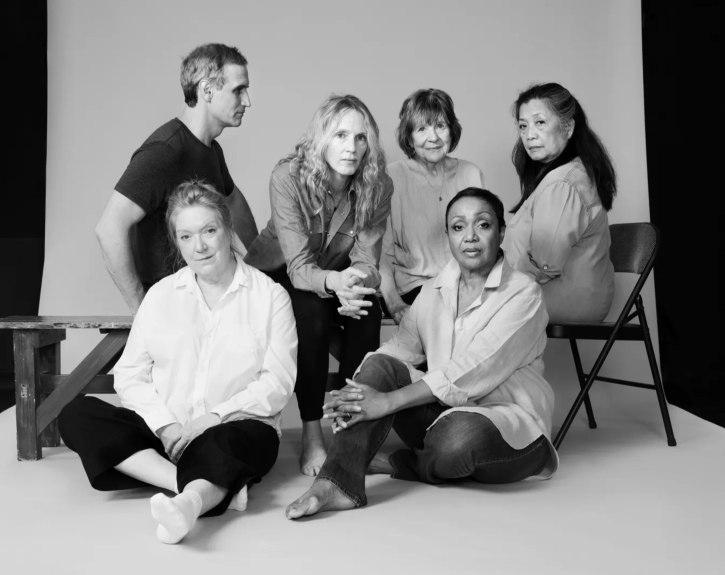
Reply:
x=560, y=233
x=330, y=201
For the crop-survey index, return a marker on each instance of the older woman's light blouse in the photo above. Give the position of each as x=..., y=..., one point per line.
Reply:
x=183, y=360
x=560, y=237
x=415, y=240
x=489, y=359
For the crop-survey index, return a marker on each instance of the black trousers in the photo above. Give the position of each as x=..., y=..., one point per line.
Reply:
x=316, y=317
x=229, y=455
x=408, y=298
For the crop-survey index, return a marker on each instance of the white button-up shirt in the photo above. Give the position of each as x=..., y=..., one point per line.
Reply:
x=183, y=360
x=488, y=359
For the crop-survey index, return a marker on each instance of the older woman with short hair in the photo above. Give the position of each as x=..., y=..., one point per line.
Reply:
x=482, y=410
x=208, y=367
x=330, y=201
x=415, y=248
x=560, y=233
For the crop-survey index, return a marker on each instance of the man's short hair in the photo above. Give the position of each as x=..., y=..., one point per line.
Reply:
x=207, y=63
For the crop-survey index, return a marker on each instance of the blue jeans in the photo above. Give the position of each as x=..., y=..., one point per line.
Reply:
x=461, y=445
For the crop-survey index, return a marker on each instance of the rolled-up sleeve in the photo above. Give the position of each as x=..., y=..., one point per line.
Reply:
x=266, y=396
x=559, y=219
x=132, y=375
x=293, y=234
x=365, y=252
x=506, y=343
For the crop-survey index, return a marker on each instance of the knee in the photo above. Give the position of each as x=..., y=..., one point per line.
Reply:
x=383, y=371
x=76, y=410
x=458, y=436
x=72, y=416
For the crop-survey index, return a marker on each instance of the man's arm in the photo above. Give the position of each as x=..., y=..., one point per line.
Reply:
x=242, y=217
x=112, y=232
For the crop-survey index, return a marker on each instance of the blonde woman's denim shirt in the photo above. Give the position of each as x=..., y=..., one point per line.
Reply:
x=314, y=240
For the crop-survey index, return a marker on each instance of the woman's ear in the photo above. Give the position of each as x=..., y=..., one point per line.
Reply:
x=570, y=129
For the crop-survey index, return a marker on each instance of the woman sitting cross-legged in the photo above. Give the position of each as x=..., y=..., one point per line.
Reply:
x=209, y=364
x=483, y=410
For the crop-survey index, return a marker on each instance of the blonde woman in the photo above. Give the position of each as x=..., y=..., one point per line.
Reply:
x=208, y=367
x=330, y=201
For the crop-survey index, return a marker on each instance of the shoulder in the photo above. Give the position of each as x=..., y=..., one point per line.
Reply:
x=470, y=173
x=162, y=145
x=466, y=167
x=398, y=169
x=165, y=134
x=263, y=285
x=571, y=174
x=162, y=291
x=386, y=185
x=285, y=172
x=400, y=176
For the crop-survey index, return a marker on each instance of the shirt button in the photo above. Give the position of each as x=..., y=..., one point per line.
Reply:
x=546, y=267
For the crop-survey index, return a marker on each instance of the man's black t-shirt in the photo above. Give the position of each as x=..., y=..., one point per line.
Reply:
x=169, y=157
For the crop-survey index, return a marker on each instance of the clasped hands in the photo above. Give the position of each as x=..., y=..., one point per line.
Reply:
x=350, y=290
x=354, y=403
x=176, y=437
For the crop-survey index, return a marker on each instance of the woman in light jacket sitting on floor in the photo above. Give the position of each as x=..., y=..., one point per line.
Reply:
x=483, y=409
x=209, y=364
x=560, y=233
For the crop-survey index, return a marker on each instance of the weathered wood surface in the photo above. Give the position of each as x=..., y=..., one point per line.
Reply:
x=99, y=384
x=103, y=354
x=27, y=393
x=61, y=322
x=49, y=360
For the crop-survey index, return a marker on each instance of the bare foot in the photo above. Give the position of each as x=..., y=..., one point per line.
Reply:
x=380, y=464
x=322, y=496
x=314, y=451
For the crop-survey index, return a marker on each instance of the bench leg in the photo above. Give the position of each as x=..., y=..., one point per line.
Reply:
x=27, y=393
x=50, y=363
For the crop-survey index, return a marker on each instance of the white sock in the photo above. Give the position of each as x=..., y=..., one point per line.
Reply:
x=239, y=501
x=175, y=516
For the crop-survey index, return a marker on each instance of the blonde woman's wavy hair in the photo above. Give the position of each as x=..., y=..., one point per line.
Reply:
x=314, y=171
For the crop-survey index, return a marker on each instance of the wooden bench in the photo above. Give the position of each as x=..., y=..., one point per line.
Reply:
x=41, y=391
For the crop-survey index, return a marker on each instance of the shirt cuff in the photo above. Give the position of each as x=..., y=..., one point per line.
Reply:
x=159, y=418
x=318, y=282
x=444, y=390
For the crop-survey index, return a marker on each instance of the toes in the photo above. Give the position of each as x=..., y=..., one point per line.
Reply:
x=301, y=507
x=310, y=471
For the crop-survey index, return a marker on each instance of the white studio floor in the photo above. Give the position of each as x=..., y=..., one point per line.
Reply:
x=622, y=502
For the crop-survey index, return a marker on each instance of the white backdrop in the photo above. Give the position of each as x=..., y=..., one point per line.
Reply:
x=113, y=79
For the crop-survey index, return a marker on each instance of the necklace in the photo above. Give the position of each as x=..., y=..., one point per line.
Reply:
x=438, y=191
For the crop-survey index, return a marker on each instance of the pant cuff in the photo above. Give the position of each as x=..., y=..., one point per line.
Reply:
x=359, y=501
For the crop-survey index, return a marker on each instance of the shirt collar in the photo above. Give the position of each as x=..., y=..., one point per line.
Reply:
x=449, y=276
x=187, y=278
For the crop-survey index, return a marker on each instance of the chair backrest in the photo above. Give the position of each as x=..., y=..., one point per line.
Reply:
x=633, y=246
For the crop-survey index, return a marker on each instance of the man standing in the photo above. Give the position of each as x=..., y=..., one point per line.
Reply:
x=132, y=231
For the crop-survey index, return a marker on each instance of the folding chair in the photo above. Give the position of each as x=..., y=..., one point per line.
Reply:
x=633, y=250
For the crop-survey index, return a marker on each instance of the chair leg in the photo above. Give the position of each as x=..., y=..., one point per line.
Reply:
x=583, y=393
x=582, y=383
x=659, y=388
